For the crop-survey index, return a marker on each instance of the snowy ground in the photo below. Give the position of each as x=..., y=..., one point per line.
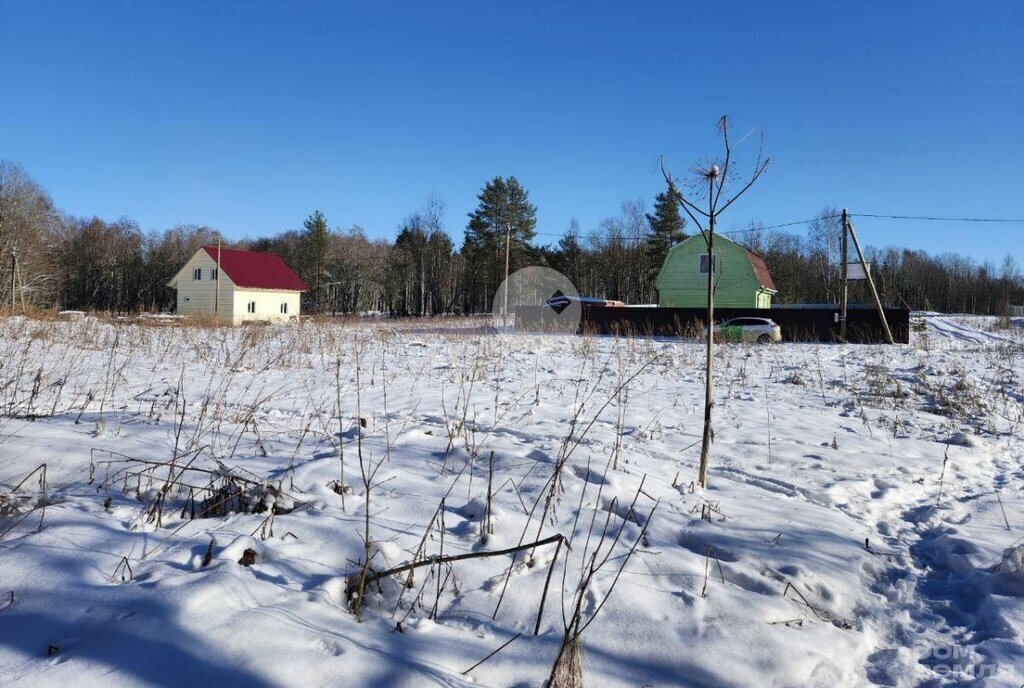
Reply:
x=864, y=521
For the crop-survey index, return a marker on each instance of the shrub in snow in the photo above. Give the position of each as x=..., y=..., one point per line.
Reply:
x=1009, y=576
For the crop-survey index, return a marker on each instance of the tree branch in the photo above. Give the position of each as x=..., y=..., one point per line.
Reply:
x=679, y=196
x=723, y=124
x=749, y=184
x=353, y=582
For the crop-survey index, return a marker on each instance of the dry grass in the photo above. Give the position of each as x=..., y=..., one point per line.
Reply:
x=109, y=374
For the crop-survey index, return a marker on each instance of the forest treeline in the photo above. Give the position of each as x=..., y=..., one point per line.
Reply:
x=93, y=264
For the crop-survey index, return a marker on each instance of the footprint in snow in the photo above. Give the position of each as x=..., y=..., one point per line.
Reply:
x=329, y=647
x=591, y=476
x=697, y=544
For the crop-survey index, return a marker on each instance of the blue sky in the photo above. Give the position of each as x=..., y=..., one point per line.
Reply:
x=246, y=116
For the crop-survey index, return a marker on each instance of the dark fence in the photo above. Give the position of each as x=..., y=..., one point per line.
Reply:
x=807, y=324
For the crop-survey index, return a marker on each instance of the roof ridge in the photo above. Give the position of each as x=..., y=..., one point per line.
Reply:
x=241, y=250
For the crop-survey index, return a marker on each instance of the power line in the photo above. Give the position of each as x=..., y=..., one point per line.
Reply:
x=941, y=219
x=732, y=231
x=780, y=225
x=760, y=228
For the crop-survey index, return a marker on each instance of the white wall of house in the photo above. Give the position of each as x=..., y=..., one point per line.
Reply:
x=199, y=296
x=265, y=304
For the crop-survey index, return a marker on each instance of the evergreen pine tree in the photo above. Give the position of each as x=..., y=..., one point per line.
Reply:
x=504, y=207
x=569, y=255
x=410, y=261
x=318, y=246
x=667, y=226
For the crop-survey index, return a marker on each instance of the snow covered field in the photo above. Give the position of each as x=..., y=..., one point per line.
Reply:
x=864, y=522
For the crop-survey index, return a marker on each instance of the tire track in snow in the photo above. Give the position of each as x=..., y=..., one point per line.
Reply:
x=952, y=329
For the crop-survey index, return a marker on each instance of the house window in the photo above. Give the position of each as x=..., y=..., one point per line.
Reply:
x=213, y=274
x=197, y=274
x=704, y=263
x=284, y=309
x=252, y=307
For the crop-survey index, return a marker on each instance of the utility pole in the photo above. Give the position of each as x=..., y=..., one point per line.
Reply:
x=17, y=284
x=508, y=241
x=848, y=226
x=21, y=287
x=842, y=286
x=14, y=276
x=216, y=306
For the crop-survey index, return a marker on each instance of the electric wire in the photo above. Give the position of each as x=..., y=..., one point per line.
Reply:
x=794, y=223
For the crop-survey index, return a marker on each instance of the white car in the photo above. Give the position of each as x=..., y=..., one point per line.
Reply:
x=760, y=330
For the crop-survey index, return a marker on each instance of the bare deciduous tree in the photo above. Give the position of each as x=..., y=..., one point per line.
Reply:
x=713, y=178
x=27, y=222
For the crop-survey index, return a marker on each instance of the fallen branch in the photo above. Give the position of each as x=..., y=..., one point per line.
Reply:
x=372, y=577
x=503, y=646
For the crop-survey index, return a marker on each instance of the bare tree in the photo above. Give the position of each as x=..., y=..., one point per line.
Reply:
x=713, y=177
x=27, y=223
x=825, y=240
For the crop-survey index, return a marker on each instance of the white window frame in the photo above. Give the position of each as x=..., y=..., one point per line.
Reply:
x=702, y=263
x=284, y=308
x=213, y=274
x=197, y=275
x=251, y=307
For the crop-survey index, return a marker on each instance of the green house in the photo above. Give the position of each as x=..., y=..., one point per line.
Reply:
x=741, y=278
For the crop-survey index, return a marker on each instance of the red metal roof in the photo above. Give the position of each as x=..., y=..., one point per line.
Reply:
x=251, y=270
x=764, y=278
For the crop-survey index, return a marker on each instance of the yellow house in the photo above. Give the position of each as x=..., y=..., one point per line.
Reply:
x=237, y=286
